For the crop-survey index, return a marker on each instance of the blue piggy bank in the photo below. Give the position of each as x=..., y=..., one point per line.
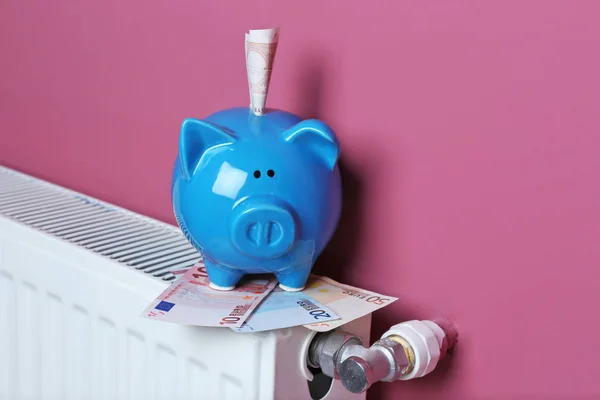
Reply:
x=257, y=194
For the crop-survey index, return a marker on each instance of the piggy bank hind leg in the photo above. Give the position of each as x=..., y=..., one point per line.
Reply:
x=221, y=277
x=295, y=280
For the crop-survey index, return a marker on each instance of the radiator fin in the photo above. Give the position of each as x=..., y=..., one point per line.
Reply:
x=136, y=363
x=7, y=337
x=165, y=373
x=133, y=240
x=197, y=379
x=231, y=387
x=28, y=344
x=53, y=345
x=107, y=358
x=78, y=353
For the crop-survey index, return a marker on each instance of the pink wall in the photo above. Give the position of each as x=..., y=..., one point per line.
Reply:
x=470, y=133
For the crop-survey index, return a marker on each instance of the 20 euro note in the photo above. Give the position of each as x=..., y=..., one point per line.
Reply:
x=347, y=301
x=281, y=309
x=190, y=301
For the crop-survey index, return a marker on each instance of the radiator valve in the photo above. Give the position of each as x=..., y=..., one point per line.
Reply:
x=406, y=351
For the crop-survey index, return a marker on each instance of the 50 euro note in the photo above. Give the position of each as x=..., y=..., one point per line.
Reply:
x=347, y=301
x=281, y=309
x=260, y=47
x=190, y=301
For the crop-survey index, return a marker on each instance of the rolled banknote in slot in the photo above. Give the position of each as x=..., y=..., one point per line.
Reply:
x=261, y=45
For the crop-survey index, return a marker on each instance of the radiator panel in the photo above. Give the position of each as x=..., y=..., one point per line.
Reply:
x=71, y=295
x=78, y=334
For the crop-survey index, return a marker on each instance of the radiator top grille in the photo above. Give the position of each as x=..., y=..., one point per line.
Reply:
x=149, y=246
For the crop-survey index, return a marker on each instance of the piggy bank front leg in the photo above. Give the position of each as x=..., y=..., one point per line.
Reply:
x=294, y=280
x=221, y=277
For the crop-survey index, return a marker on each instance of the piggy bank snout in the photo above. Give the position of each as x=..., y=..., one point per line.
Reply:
x=263, y=227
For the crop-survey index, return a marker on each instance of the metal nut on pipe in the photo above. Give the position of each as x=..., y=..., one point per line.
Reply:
x=327, y=348
x=385, y=360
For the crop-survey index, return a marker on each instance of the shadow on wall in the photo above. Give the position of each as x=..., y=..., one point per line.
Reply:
x=340, y=255
x=341, y=250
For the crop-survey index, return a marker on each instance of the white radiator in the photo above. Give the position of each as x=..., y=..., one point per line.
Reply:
x=75, y=274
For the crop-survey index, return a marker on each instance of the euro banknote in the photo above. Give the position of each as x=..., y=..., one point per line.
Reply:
x=190, y=301
x=281, y=309
x=347, y=301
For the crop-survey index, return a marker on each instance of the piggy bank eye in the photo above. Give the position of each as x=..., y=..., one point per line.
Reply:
x=271, y=173
x=257, y=174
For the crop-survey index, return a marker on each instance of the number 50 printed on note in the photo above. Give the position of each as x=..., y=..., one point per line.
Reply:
x=346, y=301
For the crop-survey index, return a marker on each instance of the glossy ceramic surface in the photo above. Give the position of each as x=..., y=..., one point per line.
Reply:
x=257, y=194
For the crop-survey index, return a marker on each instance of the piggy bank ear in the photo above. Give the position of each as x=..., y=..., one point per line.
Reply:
x=315, y=136
x=195, y=139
